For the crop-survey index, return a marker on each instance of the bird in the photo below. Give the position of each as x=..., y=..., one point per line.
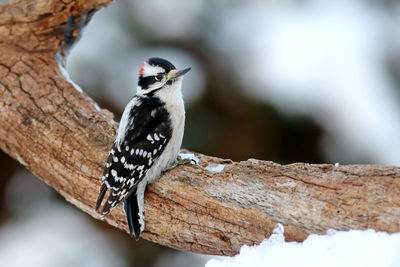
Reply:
x=147, y=141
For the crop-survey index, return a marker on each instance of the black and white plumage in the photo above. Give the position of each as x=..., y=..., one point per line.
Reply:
x=147, y=142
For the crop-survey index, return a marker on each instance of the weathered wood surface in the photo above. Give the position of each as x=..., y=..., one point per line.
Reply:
x=60, y=134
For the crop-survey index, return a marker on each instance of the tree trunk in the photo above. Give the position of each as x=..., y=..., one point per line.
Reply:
x=60, y=134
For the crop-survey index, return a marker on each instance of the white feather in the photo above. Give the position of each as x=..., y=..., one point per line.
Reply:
x=149, y=70
x=124, y=121
x=140, y=200
x=173, y=99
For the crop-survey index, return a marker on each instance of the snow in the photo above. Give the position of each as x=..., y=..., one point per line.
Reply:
x=215, y=167
x=65, y=73
x=336, y=248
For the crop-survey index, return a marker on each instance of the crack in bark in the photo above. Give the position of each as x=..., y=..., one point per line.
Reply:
x=308, y=182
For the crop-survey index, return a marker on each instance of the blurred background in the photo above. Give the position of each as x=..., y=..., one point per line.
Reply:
x=288, y=81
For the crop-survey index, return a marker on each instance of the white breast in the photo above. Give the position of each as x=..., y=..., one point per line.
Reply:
x=172, y=97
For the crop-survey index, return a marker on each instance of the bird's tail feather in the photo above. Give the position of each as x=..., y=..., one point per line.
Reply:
x=103, y=191
x=131, y=208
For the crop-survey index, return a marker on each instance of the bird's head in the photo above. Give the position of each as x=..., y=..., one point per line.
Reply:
x=156, y=74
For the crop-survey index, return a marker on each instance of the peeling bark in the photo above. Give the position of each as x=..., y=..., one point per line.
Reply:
x=60, y=134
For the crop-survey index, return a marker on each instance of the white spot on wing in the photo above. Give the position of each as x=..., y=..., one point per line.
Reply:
x=119, y=179
x=131, y=182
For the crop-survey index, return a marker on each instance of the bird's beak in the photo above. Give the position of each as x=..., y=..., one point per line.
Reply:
x=174, y=74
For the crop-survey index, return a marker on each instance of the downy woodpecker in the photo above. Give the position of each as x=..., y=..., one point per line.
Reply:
x=147, y=142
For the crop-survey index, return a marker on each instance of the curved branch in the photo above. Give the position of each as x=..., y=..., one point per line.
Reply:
x=61, y=135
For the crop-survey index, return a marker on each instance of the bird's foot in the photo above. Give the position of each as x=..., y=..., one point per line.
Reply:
x=181, y=160
x=184, y=160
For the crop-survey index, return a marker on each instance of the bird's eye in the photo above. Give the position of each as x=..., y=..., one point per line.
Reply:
x=159, y=77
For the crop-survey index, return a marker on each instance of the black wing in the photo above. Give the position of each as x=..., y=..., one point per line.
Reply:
x=147, y=133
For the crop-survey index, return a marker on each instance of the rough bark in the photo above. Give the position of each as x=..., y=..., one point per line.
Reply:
x=60, y=134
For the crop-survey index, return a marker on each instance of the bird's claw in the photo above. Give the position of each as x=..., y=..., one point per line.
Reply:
x=180, y=161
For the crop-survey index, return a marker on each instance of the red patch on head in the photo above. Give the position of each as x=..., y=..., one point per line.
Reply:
x=142, y=68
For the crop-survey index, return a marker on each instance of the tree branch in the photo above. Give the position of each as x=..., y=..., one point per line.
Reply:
x=60, y=134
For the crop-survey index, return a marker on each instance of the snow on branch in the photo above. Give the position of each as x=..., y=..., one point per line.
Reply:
x=60, y=134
